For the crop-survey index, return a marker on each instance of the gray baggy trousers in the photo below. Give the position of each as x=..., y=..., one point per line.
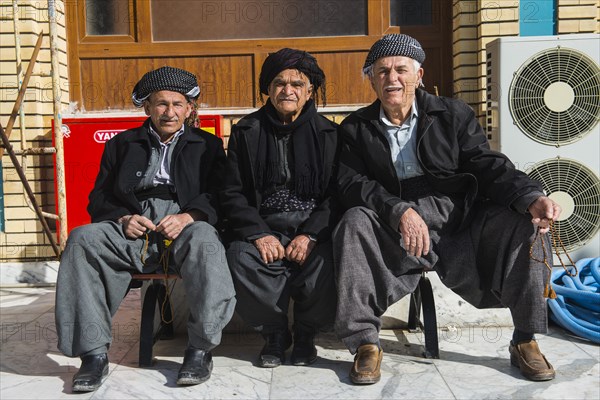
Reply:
x=487, y=264
x=95, y=272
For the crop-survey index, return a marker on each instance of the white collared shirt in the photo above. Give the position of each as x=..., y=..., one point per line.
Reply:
x=403, y=143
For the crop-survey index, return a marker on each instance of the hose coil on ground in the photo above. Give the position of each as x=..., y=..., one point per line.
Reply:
x=577, y=304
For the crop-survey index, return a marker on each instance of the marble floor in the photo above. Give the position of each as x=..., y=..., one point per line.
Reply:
x=473, y=364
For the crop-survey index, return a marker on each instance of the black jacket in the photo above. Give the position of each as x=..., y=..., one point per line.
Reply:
x=241, y=199
x=452, y=151
x=196, y=170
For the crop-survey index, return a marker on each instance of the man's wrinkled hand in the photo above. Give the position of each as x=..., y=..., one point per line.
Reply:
x=136, y=225
x=543, y=210
x=270, y=248
x=299, y=249
x=415, y=233
x=172, y=225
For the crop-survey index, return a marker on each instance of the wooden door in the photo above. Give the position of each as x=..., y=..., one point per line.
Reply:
x=430, y=22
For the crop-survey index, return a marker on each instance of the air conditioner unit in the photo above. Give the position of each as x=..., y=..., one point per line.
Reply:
x=543, y=109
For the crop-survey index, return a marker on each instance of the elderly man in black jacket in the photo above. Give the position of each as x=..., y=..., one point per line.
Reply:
x=280, y=211
x=424, y=190
x=152, y=206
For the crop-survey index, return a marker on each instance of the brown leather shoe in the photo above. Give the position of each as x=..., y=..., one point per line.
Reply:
x=529, y=359
x=366, y=365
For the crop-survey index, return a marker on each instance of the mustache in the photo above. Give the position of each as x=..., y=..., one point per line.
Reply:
x=169, y=119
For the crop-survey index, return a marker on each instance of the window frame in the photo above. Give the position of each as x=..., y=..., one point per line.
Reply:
x=82, y=26
x=378, y=23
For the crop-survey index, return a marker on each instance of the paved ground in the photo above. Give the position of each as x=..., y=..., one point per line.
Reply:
x=474, y=363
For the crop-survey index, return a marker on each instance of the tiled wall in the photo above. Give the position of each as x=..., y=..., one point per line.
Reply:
x=476, y=23
x=23, y=238
x=578, y=16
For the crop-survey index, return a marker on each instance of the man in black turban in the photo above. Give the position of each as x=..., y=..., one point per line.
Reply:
x=298, y=60
x=278, y=203
x=152, y=207
x=424, y=191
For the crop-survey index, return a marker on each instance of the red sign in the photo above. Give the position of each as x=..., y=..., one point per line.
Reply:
x=83, y=140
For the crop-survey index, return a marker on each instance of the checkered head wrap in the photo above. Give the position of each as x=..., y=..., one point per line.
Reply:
x=165, y=78
x=394, y=44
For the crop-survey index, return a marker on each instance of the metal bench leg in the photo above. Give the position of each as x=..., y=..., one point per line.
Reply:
x=147, y=327
x=429, y=319
x=414, y=313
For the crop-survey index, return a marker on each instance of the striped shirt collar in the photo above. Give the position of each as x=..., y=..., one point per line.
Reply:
x=173, y=138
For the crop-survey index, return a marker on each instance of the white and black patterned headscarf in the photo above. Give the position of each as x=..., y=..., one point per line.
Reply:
x=394, y=44
x=165, y=78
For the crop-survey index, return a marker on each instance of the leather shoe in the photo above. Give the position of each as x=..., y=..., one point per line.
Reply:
x=273, y=353
x=196, y=368
x=367, y=364
x=304, y=352
x=529, y=359
x=91, y=374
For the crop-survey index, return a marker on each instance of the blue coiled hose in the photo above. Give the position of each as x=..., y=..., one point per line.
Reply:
x=577, y=304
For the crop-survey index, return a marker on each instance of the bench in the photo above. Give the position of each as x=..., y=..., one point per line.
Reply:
x=156, y=295
x=422, y=297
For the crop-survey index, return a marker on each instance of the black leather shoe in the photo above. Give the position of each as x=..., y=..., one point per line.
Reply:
x=304, y=352
x=91, y=374
x=196, y=368
x=273, y=354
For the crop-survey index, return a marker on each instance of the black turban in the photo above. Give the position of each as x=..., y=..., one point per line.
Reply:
x=395, y=44
x=165, y=78
x=290, y=59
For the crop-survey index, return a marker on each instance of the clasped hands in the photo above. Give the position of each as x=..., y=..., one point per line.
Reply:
x=271, y=249
x=170, y=226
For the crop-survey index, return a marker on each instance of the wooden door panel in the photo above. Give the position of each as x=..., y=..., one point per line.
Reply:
x=225, y=81
x=102, y=74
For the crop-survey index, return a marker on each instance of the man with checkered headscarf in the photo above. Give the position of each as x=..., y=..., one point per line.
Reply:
x=153, y=207
x=423, y=191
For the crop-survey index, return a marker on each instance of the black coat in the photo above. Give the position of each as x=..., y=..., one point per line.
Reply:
x=241, y=199
x=452, y=150
x=197, y=167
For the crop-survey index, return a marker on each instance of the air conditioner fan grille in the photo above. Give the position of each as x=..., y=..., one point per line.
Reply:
x=582, y=187
x=555, y=96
